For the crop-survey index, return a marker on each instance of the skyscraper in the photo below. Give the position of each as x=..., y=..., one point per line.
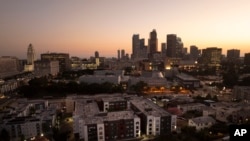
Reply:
x=194, y=52
x=233, y=54
x=30, y=55
x=152, y=43
x=135, y=46
x=247, y=59
x=118, y=54
x=139, y=50
x=211, y=56
x=163, y=49
x=174, y=46
x=143, y=49
x=122, y=54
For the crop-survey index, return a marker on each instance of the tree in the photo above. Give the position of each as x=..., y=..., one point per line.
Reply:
x=139, y=87
x=245, y=81
x=215, y=98
x=230, y=78
x=4, y=135
x=209, y=96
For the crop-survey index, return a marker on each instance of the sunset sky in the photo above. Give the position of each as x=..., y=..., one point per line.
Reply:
x=81, y=27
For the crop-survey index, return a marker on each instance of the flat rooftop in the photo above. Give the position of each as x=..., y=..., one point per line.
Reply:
x=112, y=99
x=147, y=107
x=186, y=77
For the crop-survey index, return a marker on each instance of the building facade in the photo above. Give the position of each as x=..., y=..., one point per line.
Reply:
x=152, y=43
x=241, y=93
x=8, y=66
x=201, y=122
x=46, y=67
x=211, y=56
x=30, y=55
x=63, y=58
x=188, y=81
x=92, y=123
x=26, y=119
x=134, y=117
x=139, y=50
x=233, y=55
x=247, y=59
x=154, y=120
x=194, y=52
x=174, y=46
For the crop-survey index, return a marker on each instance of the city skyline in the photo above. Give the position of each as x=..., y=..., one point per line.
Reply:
x=82, y=27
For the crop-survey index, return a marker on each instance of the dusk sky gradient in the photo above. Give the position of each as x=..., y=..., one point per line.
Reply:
x=81, y=27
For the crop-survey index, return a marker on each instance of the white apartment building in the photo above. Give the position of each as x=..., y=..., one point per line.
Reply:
x=155, y=120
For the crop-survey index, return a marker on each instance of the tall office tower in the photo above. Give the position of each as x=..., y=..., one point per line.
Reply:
x=163, y=49
x=118, y=54
x=135, y=46
x=179, y=48
x=96, y=54
x=30, y=55
x=211, y=56
x=174, y=46
x=184, y=50
x=143, y=49
x=122, y=54
x=152, y=43
x=247, y=59
x=233, y=55
x=194, y=52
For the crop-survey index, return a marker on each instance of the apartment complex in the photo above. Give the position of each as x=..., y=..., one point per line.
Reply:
x=118, y=117
x=154, y=120
x=90, y=123
x=28, y=119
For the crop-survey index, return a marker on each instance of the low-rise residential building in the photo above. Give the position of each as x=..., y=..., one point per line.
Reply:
x=152, y=78
x=241, y=116
x=91, y=123
x=154, y=120
x=241, y=93
x=70, y=103
x=208, y=111
x=23, y=126
x=155, y=81
x=27, y=119
x=201, y=122
x=131, y=117
x=99, y=79
x=8, y=86
x=113, y=104
x=103, y=76
x=190, y=107
x=225, y=109
x=188, y=81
